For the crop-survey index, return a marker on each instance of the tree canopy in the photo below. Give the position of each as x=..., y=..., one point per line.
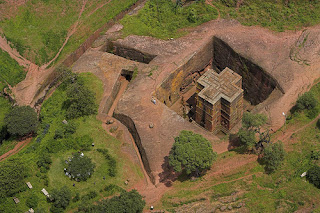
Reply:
x=313, y=175
x=12, y=174
x=127, y=202
x=251, y=125
x=60, y=198
x=273, y=156
x=191, y=152
x=21, y=120
x=81, y=100
x=80, y=167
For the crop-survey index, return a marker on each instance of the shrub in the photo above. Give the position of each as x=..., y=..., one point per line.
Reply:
x=313, y=176
x=60, y=199
x=44, y=161
x=12, y=174
x=76, y=198
x=112, y=163
x=21, y=121
x=273, y=155
x=80, y=167
x=90, y=195
x=32, y=201
x=306, y=101
x=127, y=202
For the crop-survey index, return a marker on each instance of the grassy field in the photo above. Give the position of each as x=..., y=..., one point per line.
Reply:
x=39, y=28
x=53, y=114
x=273, y=14
x=162, y=19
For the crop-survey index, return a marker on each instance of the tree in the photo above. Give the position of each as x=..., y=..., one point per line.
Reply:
x=60, y=198
x=127, y=202
x=22, y=120
x=313, y=176
x=12, y=174
x=252, y=121
x=81, y=101
x=306, y=101
x=247, y=138
x=191, y=152
x=80, y=167
x=251, y=125
x=273, y=156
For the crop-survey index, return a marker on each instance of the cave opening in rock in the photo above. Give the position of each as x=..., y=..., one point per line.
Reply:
x=127, y=74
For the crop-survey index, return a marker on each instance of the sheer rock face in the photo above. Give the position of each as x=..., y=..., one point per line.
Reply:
x=270, y=64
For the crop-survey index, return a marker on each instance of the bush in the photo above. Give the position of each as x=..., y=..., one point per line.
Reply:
x=273, y=155
x=76, y=198
x=60, y=199
x=32, y=201
x=313, y=176
x=90, y=195
x=12, y=174
x=112, y=188
x=44, y=161
x=127, y=202
x=22, y=120
x=306, y=101
x=112, y=163
x=80, y=167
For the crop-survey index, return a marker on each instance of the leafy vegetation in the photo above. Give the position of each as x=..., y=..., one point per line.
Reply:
x=275, y=15
x=80, y=101
x=273, y=156
x=112, y=171
x=191, y=153
x=80, y=167
x=22, y=120
x=162, y=18
x=60, y=199
x=127, y=202
x=39, y=28
x=313, y=176
x=251, y=124
x=12, y=174
x=45, y=169
x=10, y=71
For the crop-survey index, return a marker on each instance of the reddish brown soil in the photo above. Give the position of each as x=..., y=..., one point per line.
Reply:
x=16, y=149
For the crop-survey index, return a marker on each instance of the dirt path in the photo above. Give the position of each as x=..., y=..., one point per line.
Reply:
x=70, y=33
x=16, y=149
x=15, y=54
x=210, y=3
x=99, y=7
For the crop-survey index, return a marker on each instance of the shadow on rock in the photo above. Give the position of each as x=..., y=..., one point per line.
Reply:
x=168, y=176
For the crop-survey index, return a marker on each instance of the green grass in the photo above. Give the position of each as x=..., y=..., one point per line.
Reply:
x=40, y=27
x=272, y=14
x=10, y=71
x=162, y=19
x=53, y=113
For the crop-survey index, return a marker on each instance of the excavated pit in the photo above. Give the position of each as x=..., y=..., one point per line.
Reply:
x=217, y=54
x=128, y=52
x=257, y=83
